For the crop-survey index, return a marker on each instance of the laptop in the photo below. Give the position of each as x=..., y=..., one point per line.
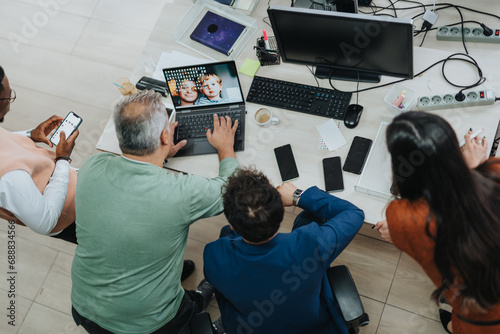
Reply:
x=200, y=91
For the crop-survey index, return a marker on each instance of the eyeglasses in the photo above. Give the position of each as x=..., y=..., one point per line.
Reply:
x=12, y=97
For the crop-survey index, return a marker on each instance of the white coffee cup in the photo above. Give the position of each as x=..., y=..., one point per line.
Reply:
x=264, y=118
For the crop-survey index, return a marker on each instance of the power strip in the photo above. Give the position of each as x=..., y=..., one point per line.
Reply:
x=446, y=33
x=447, y=101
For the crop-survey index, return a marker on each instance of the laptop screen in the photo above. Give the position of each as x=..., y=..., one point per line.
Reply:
x=203, y=85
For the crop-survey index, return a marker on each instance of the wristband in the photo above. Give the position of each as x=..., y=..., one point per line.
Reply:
x=68, y=159
x=296, y=196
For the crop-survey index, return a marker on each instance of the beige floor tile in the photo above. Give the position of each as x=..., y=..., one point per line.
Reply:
x=85, y=81
x=372, y=264
x=22, y=305
x=46, y=241
x=125, y=12
x=194, y=252
x=56, y=289
x=80, y=8
x=31, y=25
x=32, y=264
x=411, y=289
x=111, y=43
x=398, y=321
x=208, y=229
x=374, y=310
x=42, y=319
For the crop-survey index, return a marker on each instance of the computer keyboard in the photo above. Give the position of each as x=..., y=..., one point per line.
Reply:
x=196, y=125
x=297, y=97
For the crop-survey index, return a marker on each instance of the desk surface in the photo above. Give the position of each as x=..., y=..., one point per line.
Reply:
x=299, y=130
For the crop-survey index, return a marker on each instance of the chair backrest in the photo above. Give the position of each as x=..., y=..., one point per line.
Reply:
x=347, y=296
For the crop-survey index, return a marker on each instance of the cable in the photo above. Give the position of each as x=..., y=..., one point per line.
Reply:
x=312, y=72
x=472, y=61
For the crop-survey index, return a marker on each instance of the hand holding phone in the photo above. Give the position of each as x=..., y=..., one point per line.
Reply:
x=66, y=145
x=68, y=125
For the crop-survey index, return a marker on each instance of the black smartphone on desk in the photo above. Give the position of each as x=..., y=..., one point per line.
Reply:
x=286, y=163
x=332, y=172
x=357, y=155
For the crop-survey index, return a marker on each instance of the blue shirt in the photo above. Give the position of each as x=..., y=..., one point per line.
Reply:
x=281, y=286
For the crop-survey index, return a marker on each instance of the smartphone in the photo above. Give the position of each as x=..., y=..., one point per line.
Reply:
x=332, y=172
x=68, y=125
x=356, y=157
x=286, y=163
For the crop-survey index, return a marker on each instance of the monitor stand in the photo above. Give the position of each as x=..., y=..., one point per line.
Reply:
x=324, y=72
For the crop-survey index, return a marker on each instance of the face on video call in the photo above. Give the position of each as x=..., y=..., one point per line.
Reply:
x=211, y=88
x=188, y=92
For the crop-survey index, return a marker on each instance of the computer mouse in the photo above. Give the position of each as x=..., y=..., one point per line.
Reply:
x=352, y=115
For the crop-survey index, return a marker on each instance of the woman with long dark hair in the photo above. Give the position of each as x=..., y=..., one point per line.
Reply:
x=447, y=217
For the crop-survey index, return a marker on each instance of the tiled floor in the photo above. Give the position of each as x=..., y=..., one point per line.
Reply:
x=66, y=59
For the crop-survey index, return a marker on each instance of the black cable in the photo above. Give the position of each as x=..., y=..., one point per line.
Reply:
x=480, y=72
x=423, y=38
x=393, y=7
x=471, y=61
x=357, y=91
x=312, y=72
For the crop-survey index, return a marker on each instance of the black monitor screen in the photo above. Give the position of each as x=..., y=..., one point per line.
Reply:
x=369, y=44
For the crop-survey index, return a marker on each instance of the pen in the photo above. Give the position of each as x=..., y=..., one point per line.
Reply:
x=266, y=42
x=474, y=135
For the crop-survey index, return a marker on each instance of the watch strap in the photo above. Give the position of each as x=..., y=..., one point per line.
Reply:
x=296, y=196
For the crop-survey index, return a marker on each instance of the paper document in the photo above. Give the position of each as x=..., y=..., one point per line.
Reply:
x=174, y=59
x=331, y=135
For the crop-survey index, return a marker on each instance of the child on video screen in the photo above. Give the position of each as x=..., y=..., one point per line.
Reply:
x=211, y=86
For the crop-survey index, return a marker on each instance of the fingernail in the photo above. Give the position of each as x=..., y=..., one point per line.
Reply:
x=374, y=226
x=184, y=141
x=470, y=129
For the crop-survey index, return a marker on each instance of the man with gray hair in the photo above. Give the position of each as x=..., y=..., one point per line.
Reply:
x=133, y=220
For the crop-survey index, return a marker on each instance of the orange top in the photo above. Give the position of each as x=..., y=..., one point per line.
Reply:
x=18, y=152
x=406, y=221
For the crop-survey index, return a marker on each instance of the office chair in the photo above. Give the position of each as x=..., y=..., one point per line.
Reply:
x=345, y=292
x=201, y=324
x=347, y=297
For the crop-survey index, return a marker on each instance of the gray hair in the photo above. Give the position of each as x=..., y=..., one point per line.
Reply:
x=139, y=122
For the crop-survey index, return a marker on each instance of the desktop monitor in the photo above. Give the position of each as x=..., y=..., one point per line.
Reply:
x=344, y=46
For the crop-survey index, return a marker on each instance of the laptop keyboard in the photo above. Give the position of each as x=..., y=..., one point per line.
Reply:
x=196, y=125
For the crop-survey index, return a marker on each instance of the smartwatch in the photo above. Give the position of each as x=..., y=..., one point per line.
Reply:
x=296, y=196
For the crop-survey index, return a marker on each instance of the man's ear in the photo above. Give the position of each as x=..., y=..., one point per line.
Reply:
x=165, y=137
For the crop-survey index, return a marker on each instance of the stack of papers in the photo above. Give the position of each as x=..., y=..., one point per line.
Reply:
x=331, y=137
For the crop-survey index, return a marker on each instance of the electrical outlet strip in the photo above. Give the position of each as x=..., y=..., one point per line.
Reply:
x=448, y=101
x=446, y=33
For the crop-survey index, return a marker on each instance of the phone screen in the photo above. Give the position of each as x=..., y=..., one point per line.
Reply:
x=333, y=174
x=68, y=125
x=286, y=163
x=357, y=155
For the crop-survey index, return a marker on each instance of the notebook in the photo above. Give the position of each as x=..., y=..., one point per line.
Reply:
x=217, y=32
x=200, y=91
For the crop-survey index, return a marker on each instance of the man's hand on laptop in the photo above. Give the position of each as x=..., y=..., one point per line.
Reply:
x=175, y=148
x=222, y=137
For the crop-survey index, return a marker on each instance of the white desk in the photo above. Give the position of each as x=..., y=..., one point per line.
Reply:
x=300, y=130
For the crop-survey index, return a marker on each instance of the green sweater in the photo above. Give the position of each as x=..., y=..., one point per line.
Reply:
x=132, y=223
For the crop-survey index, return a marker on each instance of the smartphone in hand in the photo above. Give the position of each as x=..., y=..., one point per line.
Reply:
x=68, y=125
